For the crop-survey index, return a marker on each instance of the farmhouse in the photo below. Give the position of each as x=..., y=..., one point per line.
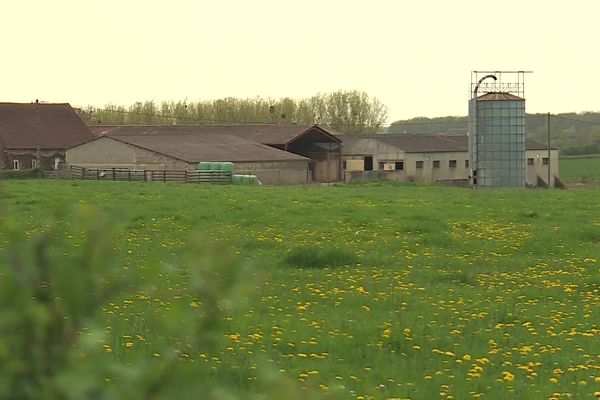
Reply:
x=182, y=148
x=37, y=134
x=430, y=158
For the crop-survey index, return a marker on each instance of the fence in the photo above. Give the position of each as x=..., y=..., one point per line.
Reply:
x=131, y=175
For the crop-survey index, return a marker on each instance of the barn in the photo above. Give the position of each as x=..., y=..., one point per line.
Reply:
x=182, y=148
x=431, y=159
x=318, y=144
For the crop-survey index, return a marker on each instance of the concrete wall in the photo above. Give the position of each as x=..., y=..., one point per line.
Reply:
x=385, y=157
x=326, y=171
x=534, y=166
x=109, y=153
x=369, y=147
x=436, y=166
x=276, y=172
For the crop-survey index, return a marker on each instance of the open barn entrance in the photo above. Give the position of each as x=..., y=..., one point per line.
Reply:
x=323, y=149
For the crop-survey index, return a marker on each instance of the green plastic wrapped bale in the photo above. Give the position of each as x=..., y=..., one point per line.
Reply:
x=203, y=165
x=252, y=180
x=227, y=166
x=237, y=179
x=215, y=166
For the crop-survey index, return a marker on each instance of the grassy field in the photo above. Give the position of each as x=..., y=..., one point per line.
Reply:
x=580, y=169
x=374, y=291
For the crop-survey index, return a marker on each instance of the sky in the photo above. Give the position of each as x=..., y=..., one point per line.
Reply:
x=415, y=56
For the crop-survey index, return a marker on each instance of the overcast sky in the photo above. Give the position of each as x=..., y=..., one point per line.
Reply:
x=415, y=56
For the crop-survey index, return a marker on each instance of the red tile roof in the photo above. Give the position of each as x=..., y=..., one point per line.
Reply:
x=57, y=125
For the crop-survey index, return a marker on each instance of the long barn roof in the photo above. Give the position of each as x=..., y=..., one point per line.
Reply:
x=270, y=134
x=431, y=143
x=188, y=145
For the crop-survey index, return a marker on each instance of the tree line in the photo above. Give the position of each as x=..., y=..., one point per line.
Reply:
x=352, y=112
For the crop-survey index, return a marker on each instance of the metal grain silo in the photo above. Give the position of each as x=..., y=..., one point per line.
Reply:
x=497, y=138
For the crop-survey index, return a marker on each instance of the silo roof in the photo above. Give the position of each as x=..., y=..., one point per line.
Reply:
x=499, y=96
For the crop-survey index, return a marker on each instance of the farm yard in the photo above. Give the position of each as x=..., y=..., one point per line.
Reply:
x=366, y=291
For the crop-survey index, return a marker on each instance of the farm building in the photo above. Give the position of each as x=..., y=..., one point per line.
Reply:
x=318, y=144
x=182, y=148
x=430, y=158
x=38, y=134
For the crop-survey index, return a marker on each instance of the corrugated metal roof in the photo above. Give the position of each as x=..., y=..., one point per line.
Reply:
x=499, y=96
x=430, y=143
x=271, y=134
x=101, y=130
x=59, y=126
x=204, y=147
x=416, y=143
x=427, y=143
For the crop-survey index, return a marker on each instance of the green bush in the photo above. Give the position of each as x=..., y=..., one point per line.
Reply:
x=21, y=173
x=53, y=332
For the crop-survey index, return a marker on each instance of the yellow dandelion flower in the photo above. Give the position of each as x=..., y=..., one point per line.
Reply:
x=507, y=376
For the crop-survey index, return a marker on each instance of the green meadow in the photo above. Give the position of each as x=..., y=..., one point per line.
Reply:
x=366, y=291
x=580, y=169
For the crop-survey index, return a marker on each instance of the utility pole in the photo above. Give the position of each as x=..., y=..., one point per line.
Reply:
x=548, y=126
x=38, y=151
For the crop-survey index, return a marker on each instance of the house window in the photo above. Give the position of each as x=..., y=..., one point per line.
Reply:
x=466, y=163
x=399, y=165
x=15, y=164
x=33, y=163
x=368, y=163
x=436, y=163
x=545, y=160
x=452, y=163
x=419, y=164
x=530, y=161
x=344, y=165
